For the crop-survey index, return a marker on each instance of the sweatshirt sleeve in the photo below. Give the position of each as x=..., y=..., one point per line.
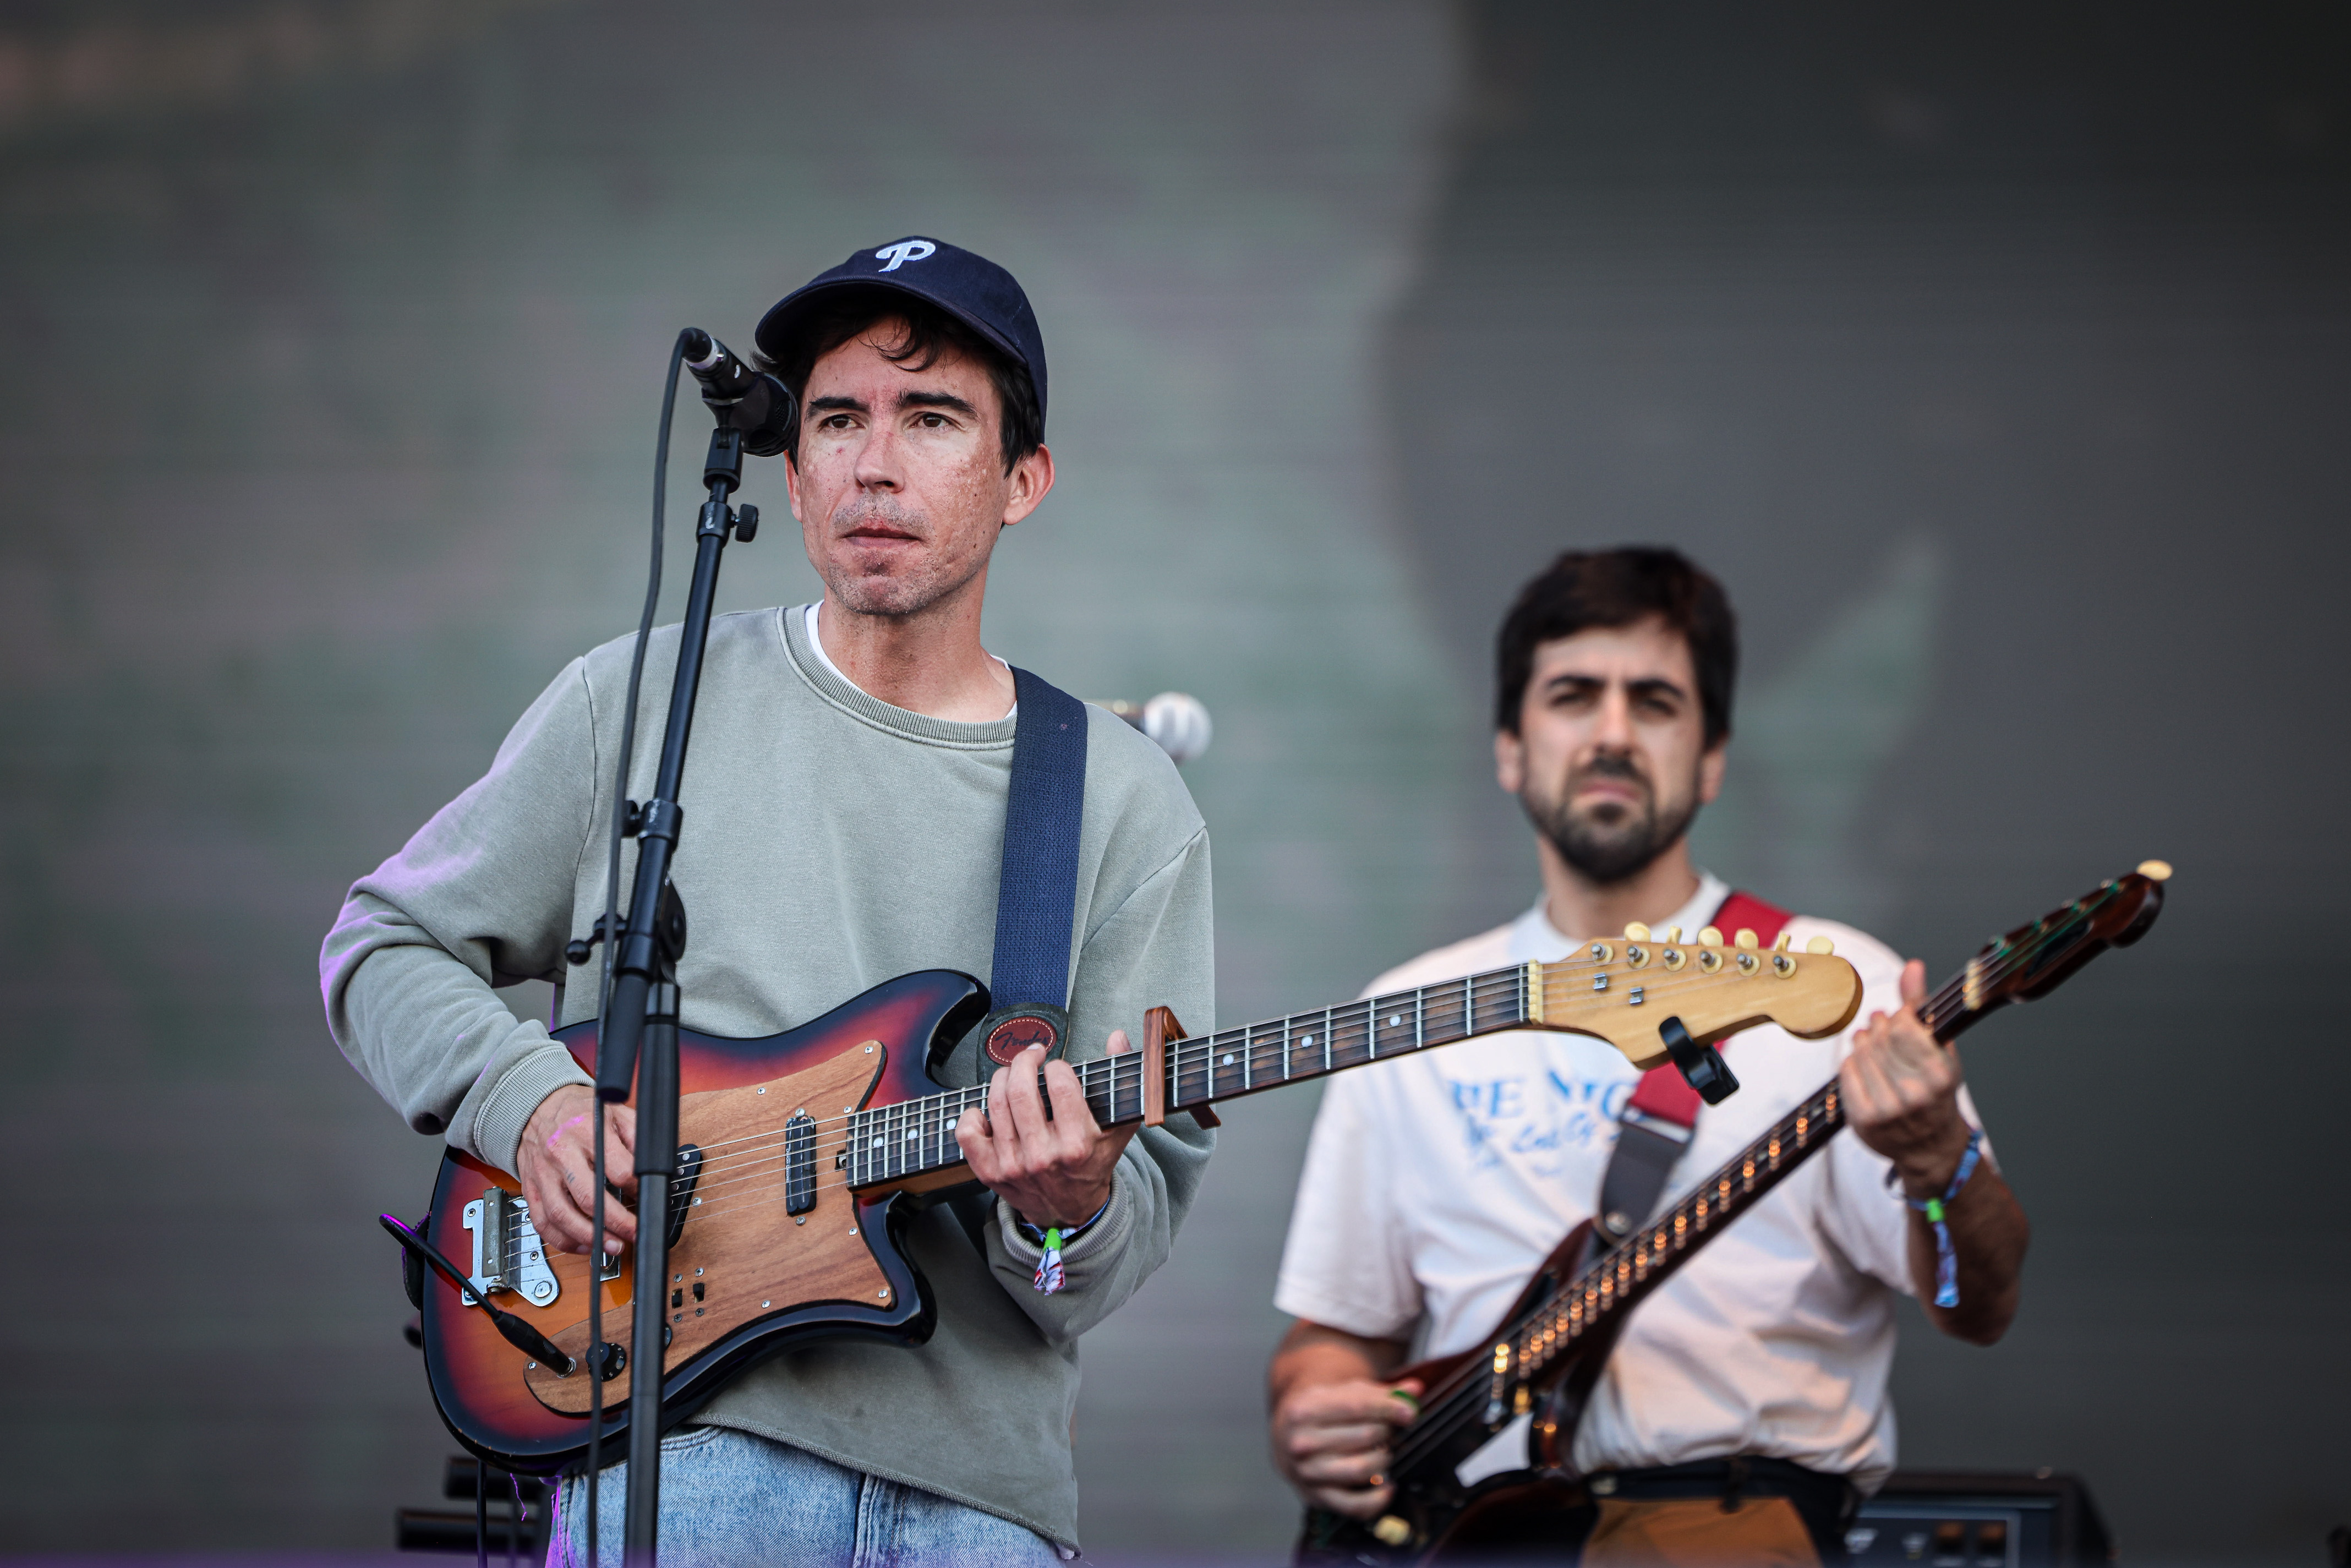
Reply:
x=482, y=897
x=1155, y=951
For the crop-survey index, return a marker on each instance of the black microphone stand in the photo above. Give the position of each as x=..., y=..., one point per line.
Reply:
x=639, y=1038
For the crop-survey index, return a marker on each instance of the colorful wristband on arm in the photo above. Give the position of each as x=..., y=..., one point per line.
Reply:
x=1947, y=1262
x=1049, y=1278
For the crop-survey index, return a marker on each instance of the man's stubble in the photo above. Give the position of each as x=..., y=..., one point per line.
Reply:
x=897, y=594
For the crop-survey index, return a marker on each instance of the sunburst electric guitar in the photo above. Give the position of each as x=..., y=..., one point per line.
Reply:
x=1543, y=1359
x=802, y=1155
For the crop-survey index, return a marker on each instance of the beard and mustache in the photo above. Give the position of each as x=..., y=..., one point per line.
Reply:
x=1611, y=842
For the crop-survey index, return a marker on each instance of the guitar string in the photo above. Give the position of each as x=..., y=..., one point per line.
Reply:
x=913, y=1117
x=1190, y=1056
x=1532, y=1326
x=919, y=1134
x=1272, y=1036
x=1185, y=1056
x=1470, y=1384
x=1250, y=1036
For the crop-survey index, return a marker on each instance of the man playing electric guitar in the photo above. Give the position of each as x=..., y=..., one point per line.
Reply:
x=1744, y=1411
x=844, y=806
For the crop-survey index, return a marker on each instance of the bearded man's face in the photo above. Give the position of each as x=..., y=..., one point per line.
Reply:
x=1610, y=760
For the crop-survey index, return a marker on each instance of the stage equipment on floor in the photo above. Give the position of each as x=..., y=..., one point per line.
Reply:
x=1967, y=1519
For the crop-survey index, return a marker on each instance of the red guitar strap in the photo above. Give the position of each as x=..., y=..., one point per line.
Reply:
x=1664, y=1108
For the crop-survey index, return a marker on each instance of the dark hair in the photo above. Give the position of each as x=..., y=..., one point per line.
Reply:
x=930, y=332
x=1584, y=590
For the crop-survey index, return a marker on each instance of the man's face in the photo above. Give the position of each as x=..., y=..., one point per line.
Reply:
x=1609, y=759
x=899, y=484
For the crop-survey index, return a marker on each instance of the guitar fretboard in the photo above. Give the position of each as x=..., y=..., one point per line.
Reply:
x=892, y=1143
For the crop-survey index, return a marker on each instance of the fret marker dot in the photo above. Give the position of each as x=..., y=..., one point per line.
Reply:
x=1394, y=1019
x=1229, y=1059
x=1310, y=1039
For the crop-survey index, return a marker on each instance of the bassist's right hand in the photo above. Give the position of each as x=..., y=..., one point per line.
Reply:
x=1330, y=1441
x=558, y=1161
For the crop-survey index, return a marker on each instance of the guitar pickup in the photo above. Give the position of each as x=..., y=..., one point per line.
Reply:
x=681, y=1188
x=799, y=1165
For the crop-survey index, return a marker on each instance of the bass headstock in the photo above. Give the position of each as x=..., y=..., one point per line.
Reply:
x=2034, y=959
x=1626, y=992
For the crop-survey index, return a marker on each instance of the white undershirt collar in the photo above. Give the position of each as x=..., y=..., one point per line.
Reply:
x=817, y=643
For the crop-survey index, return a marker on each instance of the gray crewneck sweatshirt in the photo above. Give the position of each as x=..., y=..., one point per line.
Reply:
x=830, y=843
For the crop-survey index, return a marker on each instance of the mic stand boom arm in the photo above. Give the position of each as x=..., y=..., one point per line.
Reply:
x=638, y=1037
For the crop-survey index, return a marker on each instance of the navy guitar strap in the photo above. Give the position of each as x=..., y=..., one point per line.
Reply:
x=1037, y=891
x=1036, y=899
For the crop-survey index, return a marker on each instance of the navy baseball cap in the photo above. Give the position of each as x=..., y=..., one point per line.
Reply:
x=971, y=288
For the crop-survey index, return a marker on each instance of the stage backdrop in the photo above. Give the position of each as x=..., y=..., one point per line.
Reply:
x=1998, y=365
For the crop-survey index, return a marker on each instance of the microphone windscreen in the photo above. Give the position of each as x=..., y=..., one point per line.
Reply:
x=1180, y=723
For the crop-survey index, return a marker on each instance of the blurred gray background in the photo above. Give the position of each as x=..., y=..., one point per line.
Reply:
x=1995, y=358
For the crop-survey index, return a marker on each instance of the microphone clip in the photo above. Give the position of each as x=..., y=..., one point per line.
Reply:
x=749, y=402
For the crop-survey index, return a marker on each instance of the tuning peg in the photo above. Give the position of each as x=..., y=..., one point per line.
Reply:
x=2155, y=870
x=1745, y=939
x=1709, y=937
x=1674, y=935
x=1781, y=943
x=1637, y=931
x=1820, y=945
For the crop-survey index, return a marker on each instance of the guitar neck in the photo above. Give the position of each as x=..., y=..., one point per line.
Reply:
x=892, y=1143
x=1541, y=1339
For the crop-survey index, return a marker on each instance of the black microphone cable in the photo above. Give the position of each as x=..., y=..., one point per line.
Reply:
x=611, y=927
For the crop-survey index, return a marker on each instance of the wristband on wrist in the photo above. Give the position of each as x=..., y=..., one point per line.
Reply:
x=1052, y=1238
x=1947, y=1262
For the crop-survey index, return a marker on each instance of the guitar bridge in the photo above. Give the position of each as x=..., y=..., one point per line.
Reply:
x=508, y=1253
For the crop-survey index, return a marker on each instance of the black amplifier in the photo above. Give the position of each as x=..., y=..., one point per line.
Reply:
x=1968, y=1519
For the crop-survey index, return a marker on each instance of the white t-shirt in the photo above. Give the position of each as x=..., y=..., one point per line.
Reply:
x=817, y=643
x=1435, y=1184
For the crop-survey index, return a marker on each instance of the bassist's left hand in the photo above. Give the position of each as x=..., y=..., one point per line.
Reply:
x=1055, y=1172
x=1902, y=1093
x=1901, y=1097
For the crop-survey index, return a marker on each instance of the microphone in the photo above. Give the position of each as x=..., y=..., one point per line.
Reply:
x=751, y=400
x=1177, y=721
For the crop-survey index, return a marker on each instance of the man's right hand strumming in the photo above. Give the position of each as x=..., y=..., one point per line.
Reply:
x=1334, y=1417
x=558, y=1161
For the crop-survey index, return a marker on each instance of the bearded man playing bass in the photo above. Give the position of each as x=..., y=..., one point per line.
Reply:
x=1743, y=1413
x=844, y=808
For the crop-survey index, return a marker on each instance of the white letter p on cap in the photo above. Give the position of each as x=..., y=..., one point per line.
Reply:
x=904, y=251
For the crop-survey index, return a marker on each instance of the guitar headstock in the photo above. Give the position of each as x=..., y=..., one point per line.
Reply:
x=1625, y=991
x=2032, y=960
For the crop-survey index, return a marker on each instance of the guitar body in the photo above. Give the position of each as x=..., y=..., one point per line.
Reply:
x=753, y=1278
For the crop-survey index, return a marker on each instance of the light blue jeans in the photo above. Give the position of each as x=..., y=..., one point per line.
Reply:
x=733, y=1500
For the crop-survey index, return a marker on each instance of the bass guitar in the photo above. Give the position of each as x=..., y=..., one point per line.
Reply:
x=1543, y=1359
x=802, y=1155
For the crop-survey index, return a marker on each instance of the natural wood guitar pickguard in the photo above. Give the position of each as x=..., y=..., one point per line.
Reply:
x=747, y=1256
